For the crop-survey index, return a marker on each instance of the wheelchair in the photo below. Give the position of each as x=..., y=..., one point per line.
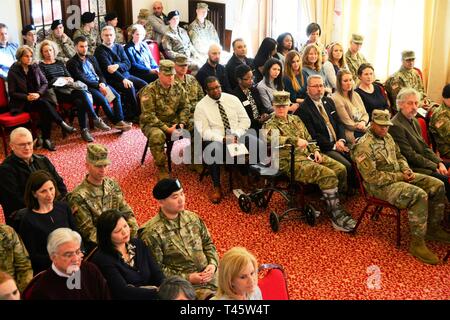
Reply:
x=261, y=196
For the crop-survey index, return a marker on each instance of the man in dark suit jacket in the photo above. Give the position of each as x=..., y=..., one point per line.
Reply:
x=250, y=98
x=328, y=132
x=212, y=67
x=407, y=134
x=239, y=57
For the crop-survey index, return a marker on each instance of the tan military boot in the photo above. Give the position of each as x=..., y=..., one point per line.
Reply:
x=162, y=173
x=419, y=250
x=436, y=233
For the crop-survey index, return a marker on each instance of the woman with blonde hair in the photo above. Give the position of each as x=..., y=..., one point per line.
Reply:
x=350, y=107
x=312, y=65
x=336, y=56
x=294, y=80
x=238, y=276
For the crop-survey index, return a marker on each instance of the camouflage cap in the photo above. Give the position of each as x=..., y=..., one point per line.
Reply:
x=181, y=60
x=144, y=14
x=167, y=67
x=97, y=155
x=281, y=98
x=202, y=5
x=357, y=38
x=381, y=117
x=407, y=55
x=165, y=187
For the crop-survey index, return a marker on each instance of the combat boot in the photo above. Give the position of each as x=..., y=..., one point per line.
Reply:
x=162, y=173
x=436, y=233
x=418, y=249
x=341, y=219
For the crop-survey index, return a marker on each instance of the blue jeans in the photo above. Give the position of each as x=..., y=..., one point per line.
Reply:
x=100, y=100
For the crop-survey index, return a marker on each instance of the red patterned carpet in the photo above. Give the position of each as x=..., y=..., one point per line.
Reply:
x=320, y=262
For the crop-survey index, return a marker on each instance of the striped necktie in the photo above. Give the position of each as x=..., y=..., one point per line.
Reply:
x=223, y=115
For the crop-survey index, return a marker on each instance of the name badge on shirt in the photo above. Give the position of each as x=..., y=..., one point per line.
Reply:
x=246, y=103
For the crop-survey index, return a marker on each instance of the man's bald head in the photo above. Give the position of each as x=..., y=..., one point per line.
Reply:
x=214, y=54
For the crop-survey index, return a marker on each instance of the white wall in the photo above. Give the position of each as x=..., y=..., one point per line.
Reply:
x=10, y=15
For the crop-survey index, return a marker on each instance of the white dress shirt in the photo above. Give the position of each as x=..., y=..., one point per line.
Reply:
x=208, y=121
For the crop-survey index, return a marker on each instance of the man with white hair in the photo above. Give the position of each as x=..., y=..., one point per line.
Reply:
x=68, y=278
x=212, y=67
x=16, y=169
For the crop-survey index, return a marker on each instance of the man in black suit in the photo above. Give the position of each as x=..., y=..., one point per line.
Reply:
x=212, y=67
x=239, y=57
x=319, y=115
x=250, y=97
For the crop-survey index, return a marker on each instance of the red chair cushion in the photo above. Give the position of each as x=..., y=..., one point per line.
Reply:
x=423, y=127
x=3, y=95
x=8, y=120
x=273, y=285
x=154, y=49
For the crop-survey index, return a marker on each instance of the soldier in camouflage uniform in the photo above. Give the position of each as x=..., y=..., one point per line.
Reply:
x=165, y=108
x=30, y=39
x=65, y=44
x=111, y=19
x=407, y=76
x=388, y=177
x=353, y=57
x=14, y=258
x=89, y=30
x=179, y=240
x=320, y=169
x=143, y=19
x=202, y=32
x=176, y=41
x=440, y=124
x=97, y=194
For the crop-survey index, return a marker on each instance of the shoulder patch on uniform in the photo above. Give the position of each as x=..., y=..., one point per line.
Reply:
x=361, y=157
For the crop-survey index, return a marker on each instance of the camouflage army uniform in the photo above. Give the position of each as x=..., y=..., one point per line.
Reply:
x=181, y=246
x=65, y=46
x=354, y=63
x=382, y=165
x=148, y=31
x=402, y=79
x=327, y=175
x=193, y=90
x=120, y=38
x=440, y=128
x=93, y=38
x=14, y=258
x=202, y=36
x=178, y=42
x=161, y=109
x=88, y=202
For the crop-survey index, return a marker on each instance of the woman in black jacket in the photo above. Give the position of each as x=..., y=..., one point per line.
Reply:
x=126, y=263
x=28, y=91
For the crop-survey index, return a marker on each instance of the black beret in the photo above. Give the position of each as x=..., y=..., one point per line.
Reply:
x=56, y=23
x=28, y=28
x=165, y=187
x=87, y=17
x=172, y=14
x=110, y=16
x=446, y=91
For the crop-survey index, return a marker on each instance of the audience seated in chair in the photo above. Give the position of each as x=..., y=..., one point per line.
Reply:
x=212, y=67
x=238, y=276
x=158, y=21
x=68, y=278
x=165, y=112
x=312, y=166
x=126, y=263
x=7, y=51
x=8, y=287
x=239, y=57
x=408, y=136
x=285, y=43
x=41, y=216
x=272, y=81
x=440, y=124
x=89, y=31
x=16, y=169
x=64, y=42
x=143, y=19
x=111, y=19
x=15, y=260
x=176, y=288
x=266, y=51
x=294, y=79
x=96, y=194
x=353, y=57
x=388, y=177
x=190, y=252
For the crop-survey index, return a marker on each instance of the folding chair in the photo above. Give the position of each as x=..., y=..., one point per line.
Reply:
x=169, y=147
x=378, y=204
x=272, y=282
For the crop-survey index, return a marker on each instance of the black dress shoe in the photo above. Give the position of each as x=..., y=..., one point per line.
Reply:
x=48, y=144
x=66, y=128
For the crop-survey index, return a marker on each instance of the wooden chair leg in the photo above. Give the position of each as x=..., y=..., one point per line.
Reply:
x=361, y=216
x=144, y=154
x=169, y=147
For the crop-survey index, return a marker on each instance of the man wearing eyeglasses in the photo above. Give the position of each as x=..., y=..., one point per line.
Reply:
x=68, y=278
x=16, y=169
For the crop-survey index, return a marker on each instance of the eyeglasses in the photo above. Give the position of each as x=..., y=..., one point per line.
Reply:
x=317, y=86
x=71, y=254
x=214, y=88
x=24, y=145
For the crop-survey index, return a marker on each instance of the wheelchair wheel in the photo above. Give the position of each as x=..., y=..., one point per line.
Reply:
x=274, y=221
x=261, y=200
x=245, y=203
x=310, y=215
